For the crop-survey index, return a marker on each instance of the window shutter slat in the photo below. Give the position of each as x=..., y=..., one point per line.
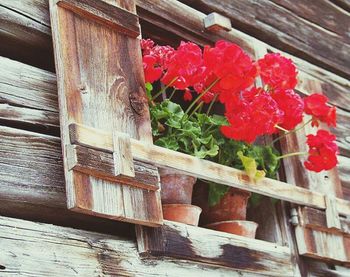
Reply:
x=99, y=72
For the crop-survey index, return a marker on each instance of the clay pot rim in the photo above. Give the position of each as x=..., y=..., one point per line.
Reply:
x=231, y=221
x=189, y=206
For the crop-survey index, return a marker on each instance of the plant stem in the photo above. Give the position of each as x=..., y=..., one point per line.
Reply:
x=291, y=131
x=212, y=103
x=201, y=95
x=172, y=94
x=292, y=154
x=164, y=89
x=196, y=109
x=281, y=128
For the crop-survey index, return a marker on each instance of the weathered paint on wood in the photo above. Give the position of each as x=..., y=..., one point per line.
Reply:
x=182, y=241
x=41, y=250
x=101, y=84
x=207, y=170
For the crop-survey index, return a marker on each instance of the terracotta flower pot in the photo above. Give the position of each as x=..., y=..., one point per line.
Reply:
x=184, y=213
x=176, y=188
x=232, y=206
x=237, y=227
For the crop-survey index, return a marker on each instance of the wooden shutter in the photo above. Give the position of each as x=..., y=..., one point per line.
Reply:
x=319, y=234
x=101, y=85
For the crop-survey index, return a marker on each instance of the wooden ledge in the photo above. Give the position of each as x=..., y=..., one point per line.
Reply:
x=177, y=240
x=162, y=157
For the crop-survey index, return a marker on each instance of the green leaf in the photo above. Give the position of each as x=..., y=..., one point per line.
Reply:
x=216, y=192
x=250, y=167
x=168, y=142
x=149, y=89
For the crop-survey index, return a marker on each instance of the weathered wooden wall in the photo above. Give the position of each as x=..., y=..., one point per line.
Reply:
x=31, y=174
x=317, y=31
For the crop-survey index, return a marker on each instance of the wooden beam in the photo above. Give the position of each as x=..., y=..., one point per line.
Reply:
x=215, y=22
x=36, y=249
x=182, y=241
x=207, y=170
x=114, y=17
x=101, y=164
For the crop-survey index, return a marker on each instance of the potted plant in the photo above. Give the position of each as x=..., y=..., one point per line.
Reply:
x=224, y=76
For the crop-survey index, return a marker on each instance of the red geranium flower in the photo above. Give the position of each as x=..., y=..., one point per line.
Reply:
x=187, y=95
x=322, y=151
x=184, y=67
x=253, y=114
x=316, y=105
x=292, y=105
x=228, y=62
x=277, y=71
x=152, y=72
x=146, y=46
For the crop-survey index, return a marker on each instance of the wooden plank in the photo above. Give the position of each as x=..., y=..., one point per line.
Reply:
x=27, y=86
x=73, y=252
x=328, y=16
x=182, y=241
x=26, y=39
x=324, y=246
x=95, y=86
x=285, y=30
x=32, y=182
x=204, y=169
x=114, y=17
x=101, y=164
x=332, y=216
x=316, y=219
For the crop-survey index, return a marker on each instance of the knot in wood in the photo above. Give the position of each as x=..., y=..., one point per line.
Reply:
x=137, y=102
x=82, y=88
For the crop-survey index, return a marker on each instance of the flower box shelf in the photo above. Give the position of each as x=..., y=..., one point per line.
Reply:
x=162, y=157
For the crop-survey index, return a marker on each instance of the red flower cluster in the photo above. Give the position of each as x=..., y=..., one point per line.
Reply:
x=316, y=106
x=226, y=72
x=277, y=72
x=228, y=63
x=322, y=151
x=292, y=106
x=252, y=115
x=154, y=57
x=185, y=67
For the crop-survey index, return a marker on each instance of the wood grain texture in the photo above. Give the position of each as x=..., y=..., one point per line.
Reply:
x=27, y=38
x=165, y=158
x=316, y=219
x=72, y=252
x=101, y=164
x=193, y=243
x=32, y=182
x=94, y=87
x=104, y=13
x=285, y=29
